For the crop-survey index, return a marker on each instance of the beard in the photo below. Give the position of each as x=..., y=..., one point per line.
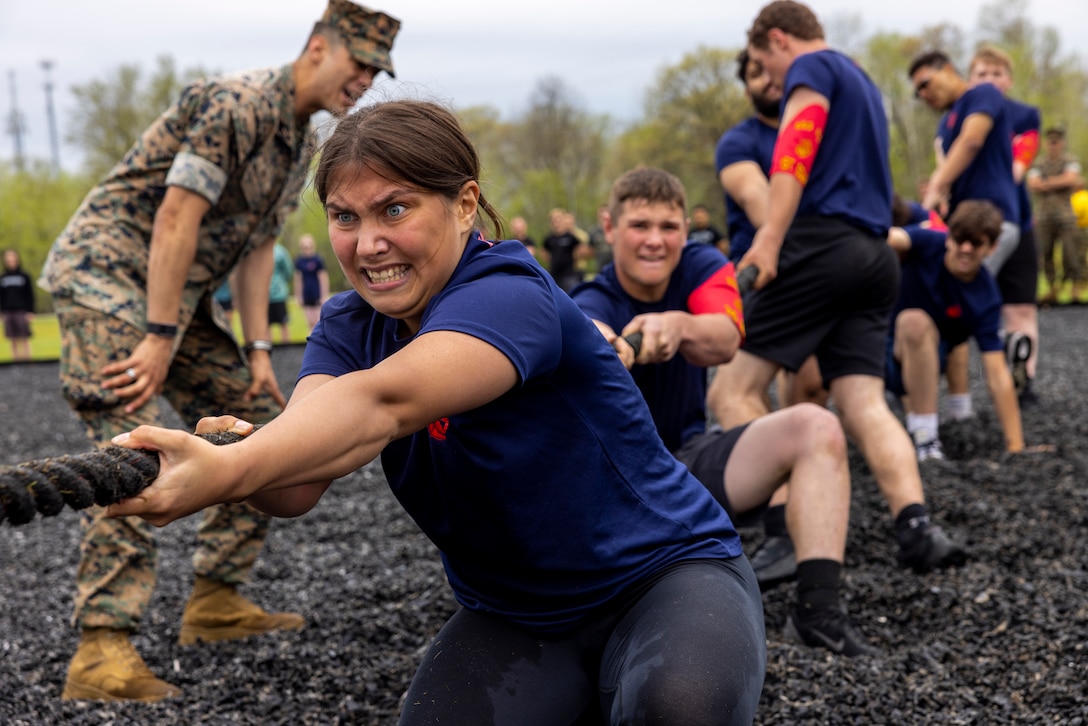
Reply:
x=766, y=107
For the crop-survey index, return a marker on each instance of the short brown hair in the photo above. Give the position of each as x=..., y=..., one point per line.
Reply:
x=789, y=17
x=415, y=142
x=647, y=184
x=974, y=219
x=991, y=54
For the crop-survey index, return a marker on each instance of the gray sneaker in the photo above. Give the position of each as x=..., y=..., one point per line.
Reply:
x=1017, y=351
x=932, y=550
x=929, y=450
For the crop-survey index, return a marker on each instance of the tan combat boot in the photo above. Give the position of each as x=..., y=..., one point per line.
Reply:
x=107, y=668
x=216, y=611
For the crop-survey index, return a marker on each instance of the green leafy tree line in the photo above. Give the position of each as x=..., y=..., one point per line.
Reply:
x=555, y=153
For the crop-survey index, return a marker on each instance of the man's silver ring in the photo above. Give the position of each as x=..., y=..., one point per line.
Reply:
x=131, y=373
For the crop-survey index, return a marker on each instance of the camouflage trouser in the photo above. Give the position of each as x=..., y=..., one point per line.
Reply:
x=1052, y=230
x=119, y=557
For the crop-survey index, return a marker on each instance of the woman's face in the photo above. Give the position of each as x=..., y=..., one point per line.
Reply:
x=398, y=246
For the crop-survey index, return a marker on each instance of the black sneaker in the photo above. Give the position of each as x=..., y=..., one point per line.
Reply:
x=774, y=562
x=827, y=628
x=932, y=550
x=1028, y=399
x=1018, y=350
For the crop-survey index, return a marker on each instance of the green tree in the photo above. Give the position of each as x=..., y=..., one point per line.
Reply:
x=35, y=205
x=114, y=111
x=687, y=109
x=911, y=123
x=557, y=149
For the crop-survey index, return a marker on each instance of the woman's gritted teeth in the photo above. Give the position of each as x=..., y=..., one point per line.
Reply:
x=386, y=274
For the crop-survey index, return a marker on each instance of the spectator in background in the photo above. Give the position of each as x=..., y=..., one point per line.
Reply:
x=562, y=250
x=279, y=289
x=598, y=241
x=519, y=228
x=311, y=280
x=16, y=305
x=703, y=232
x=1053, y=179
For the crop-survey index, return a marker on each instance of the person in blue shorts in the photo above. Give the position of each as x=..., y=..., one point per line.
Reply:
x=827, y=279
x=311, y=280
x=743, y=160
x=683, y=301
x=601, y=585
x=947, y=296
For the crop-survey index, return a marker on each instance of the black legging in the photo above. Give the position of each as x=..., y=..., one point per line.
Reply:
x=687, y=648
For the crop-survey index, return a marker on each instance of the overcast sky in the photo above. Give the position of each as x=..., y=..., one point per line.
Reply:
x=466, y=52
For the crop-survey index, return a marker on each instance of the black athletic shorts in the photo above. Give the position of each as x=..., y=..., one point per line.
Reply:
x=1018, y=278
x=833, y=296
x=277, y=313
x=706, y=456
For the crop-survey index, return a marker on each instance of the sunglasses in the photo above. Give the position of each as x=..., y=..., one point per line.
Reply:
x=921, y=87
x=976, y=243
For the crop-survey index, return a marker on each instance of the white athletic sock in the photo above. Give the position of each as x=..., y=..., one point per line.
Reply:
x=959, y=406
x=922, y=427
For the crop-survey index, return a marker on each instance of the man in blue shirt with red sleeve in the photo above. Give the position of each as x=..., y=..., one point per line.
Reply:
x=743, y=161
x=683, y=301
x=947, y=296
x=827, y=278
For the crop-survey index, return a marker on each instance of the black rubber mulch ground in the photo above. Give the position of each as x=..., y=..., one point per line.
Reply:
x=1002, y=640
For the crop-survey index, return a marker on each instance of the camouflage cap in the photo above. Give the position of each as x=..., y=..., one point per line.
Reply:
x=369, y=33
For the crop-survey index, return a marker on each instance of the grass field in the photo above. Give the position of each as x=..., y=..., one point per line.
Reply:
x=45, y=340
x=45, y=345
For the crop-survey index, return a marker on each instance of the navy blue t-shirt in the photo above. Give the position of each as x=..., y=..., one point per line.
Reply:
x=961, y=310
x=989, y=175
x=557, y=496
x=309, y=267
x=1023, y=119
x=850, y=178
x=750, y=140
x=675, y=390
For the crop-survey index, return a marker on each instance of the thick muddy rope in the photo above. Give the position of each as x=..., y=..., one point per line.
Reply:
x=104, y=476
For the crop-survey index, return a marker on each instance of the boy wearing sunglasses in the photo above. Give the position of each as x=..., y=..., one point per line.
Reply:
x=945, y=297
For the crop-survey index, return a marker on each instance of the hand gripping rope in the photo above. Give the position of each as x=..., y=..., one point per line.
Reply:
x=745, y=279
x=104, y=476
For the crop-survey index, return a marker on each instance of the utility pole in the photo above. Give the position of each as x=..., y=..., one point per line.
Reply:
x=16, y=125
x=47, y=66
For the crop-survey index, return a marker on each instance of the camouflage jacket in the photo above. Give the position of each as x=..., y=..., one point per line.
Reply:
x=235, y=141
x=1055, y=204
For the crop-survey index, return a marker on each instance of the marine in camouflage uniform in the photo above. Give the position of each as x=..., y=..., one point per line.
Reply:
x=237, y=150
x=1053, y=179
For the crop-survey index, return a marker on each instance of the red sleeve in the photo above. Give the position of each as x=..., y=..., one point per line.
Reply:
x=719, y=294
x=1025, y=146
